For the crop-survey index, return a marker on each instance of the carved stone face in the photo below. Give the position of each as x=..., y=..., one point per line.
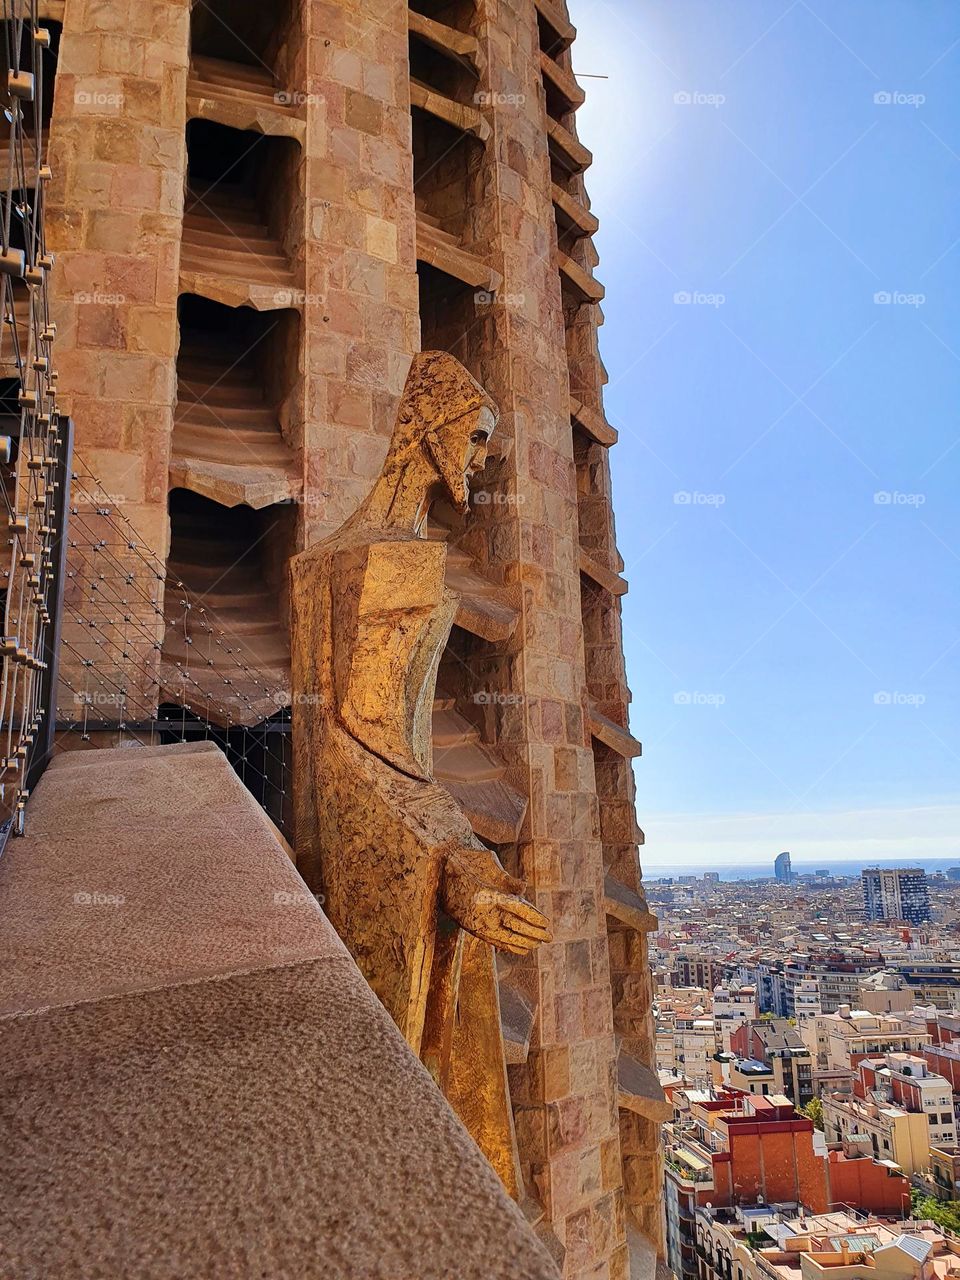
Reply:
x=458, y=450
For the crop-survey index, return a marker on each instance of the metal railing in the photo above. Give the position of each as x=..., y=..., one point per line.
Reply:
x=35, y=450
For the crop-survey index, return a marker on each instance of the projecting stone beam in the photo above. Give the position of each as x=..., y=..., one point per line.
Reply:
x=613, y=735
x=601, y=575
x=568, y=152
x=563, y=81
x=456, y=45
x=593, y=423
x=627, y=906
x=456, y=114
x=563, y=29
x=571, y=215
x=243, y=98
x=639, y=1090
x=436, y=249
x=581, y=282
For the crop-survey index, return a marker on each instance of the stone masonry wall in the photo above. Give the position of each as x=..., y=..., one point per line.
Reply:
x=115, y=216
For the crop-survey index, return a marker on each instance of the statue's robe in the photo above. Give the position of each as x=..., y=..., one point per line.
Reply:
x=371, y=617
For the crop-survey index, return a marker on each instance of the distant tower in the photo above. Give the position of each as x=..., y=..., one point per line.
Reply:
x=782, y=869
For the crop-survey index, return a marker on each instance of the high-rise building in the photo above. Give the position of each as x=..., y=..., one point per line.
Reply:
x=895, y=893
x=781, y=868
x=260, y=213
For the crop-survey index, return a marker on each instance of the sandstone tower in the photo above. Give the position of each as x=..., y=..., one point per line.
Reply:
x=259, y=214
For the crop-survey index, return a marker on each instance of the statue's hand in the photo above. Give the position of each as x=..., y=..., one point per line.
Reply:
x=484, y=900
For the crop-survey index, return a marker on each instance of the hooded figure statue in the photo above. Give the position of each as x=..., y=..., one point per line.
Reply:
x=419, y=901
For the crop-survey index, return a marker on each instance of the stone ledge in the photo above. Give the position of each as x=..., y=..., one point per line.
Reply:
x=189, y=1056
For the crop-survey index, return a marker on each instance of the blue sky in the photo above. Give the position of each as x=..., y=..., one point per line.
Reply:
x=793, y=639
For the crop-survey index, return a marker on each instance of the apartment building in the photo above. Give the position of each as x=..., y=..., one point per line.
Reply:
x=838, y=972
x=779, y=1046
x=894, y=1133
x=906, y=1079
x=839, y=1040
x=728, y=1148
x=895, y=893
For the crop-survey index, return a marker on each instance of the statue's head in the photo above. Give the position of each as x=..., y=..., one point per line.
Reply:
x=447, y=414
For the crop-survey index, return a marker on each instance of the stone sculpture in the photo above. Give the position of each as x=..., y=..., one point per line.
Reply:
x=420, y=902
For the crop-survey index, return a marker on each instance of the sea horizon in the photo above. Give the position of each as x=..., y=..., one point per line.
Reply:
x=764, y=871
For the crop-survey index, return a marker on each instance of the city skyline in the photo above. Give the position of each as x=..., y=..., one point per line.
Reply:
x=792, y=638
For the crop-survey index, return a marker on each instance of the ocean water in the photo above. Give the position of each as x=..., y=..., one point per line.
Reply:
x=764, y=870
